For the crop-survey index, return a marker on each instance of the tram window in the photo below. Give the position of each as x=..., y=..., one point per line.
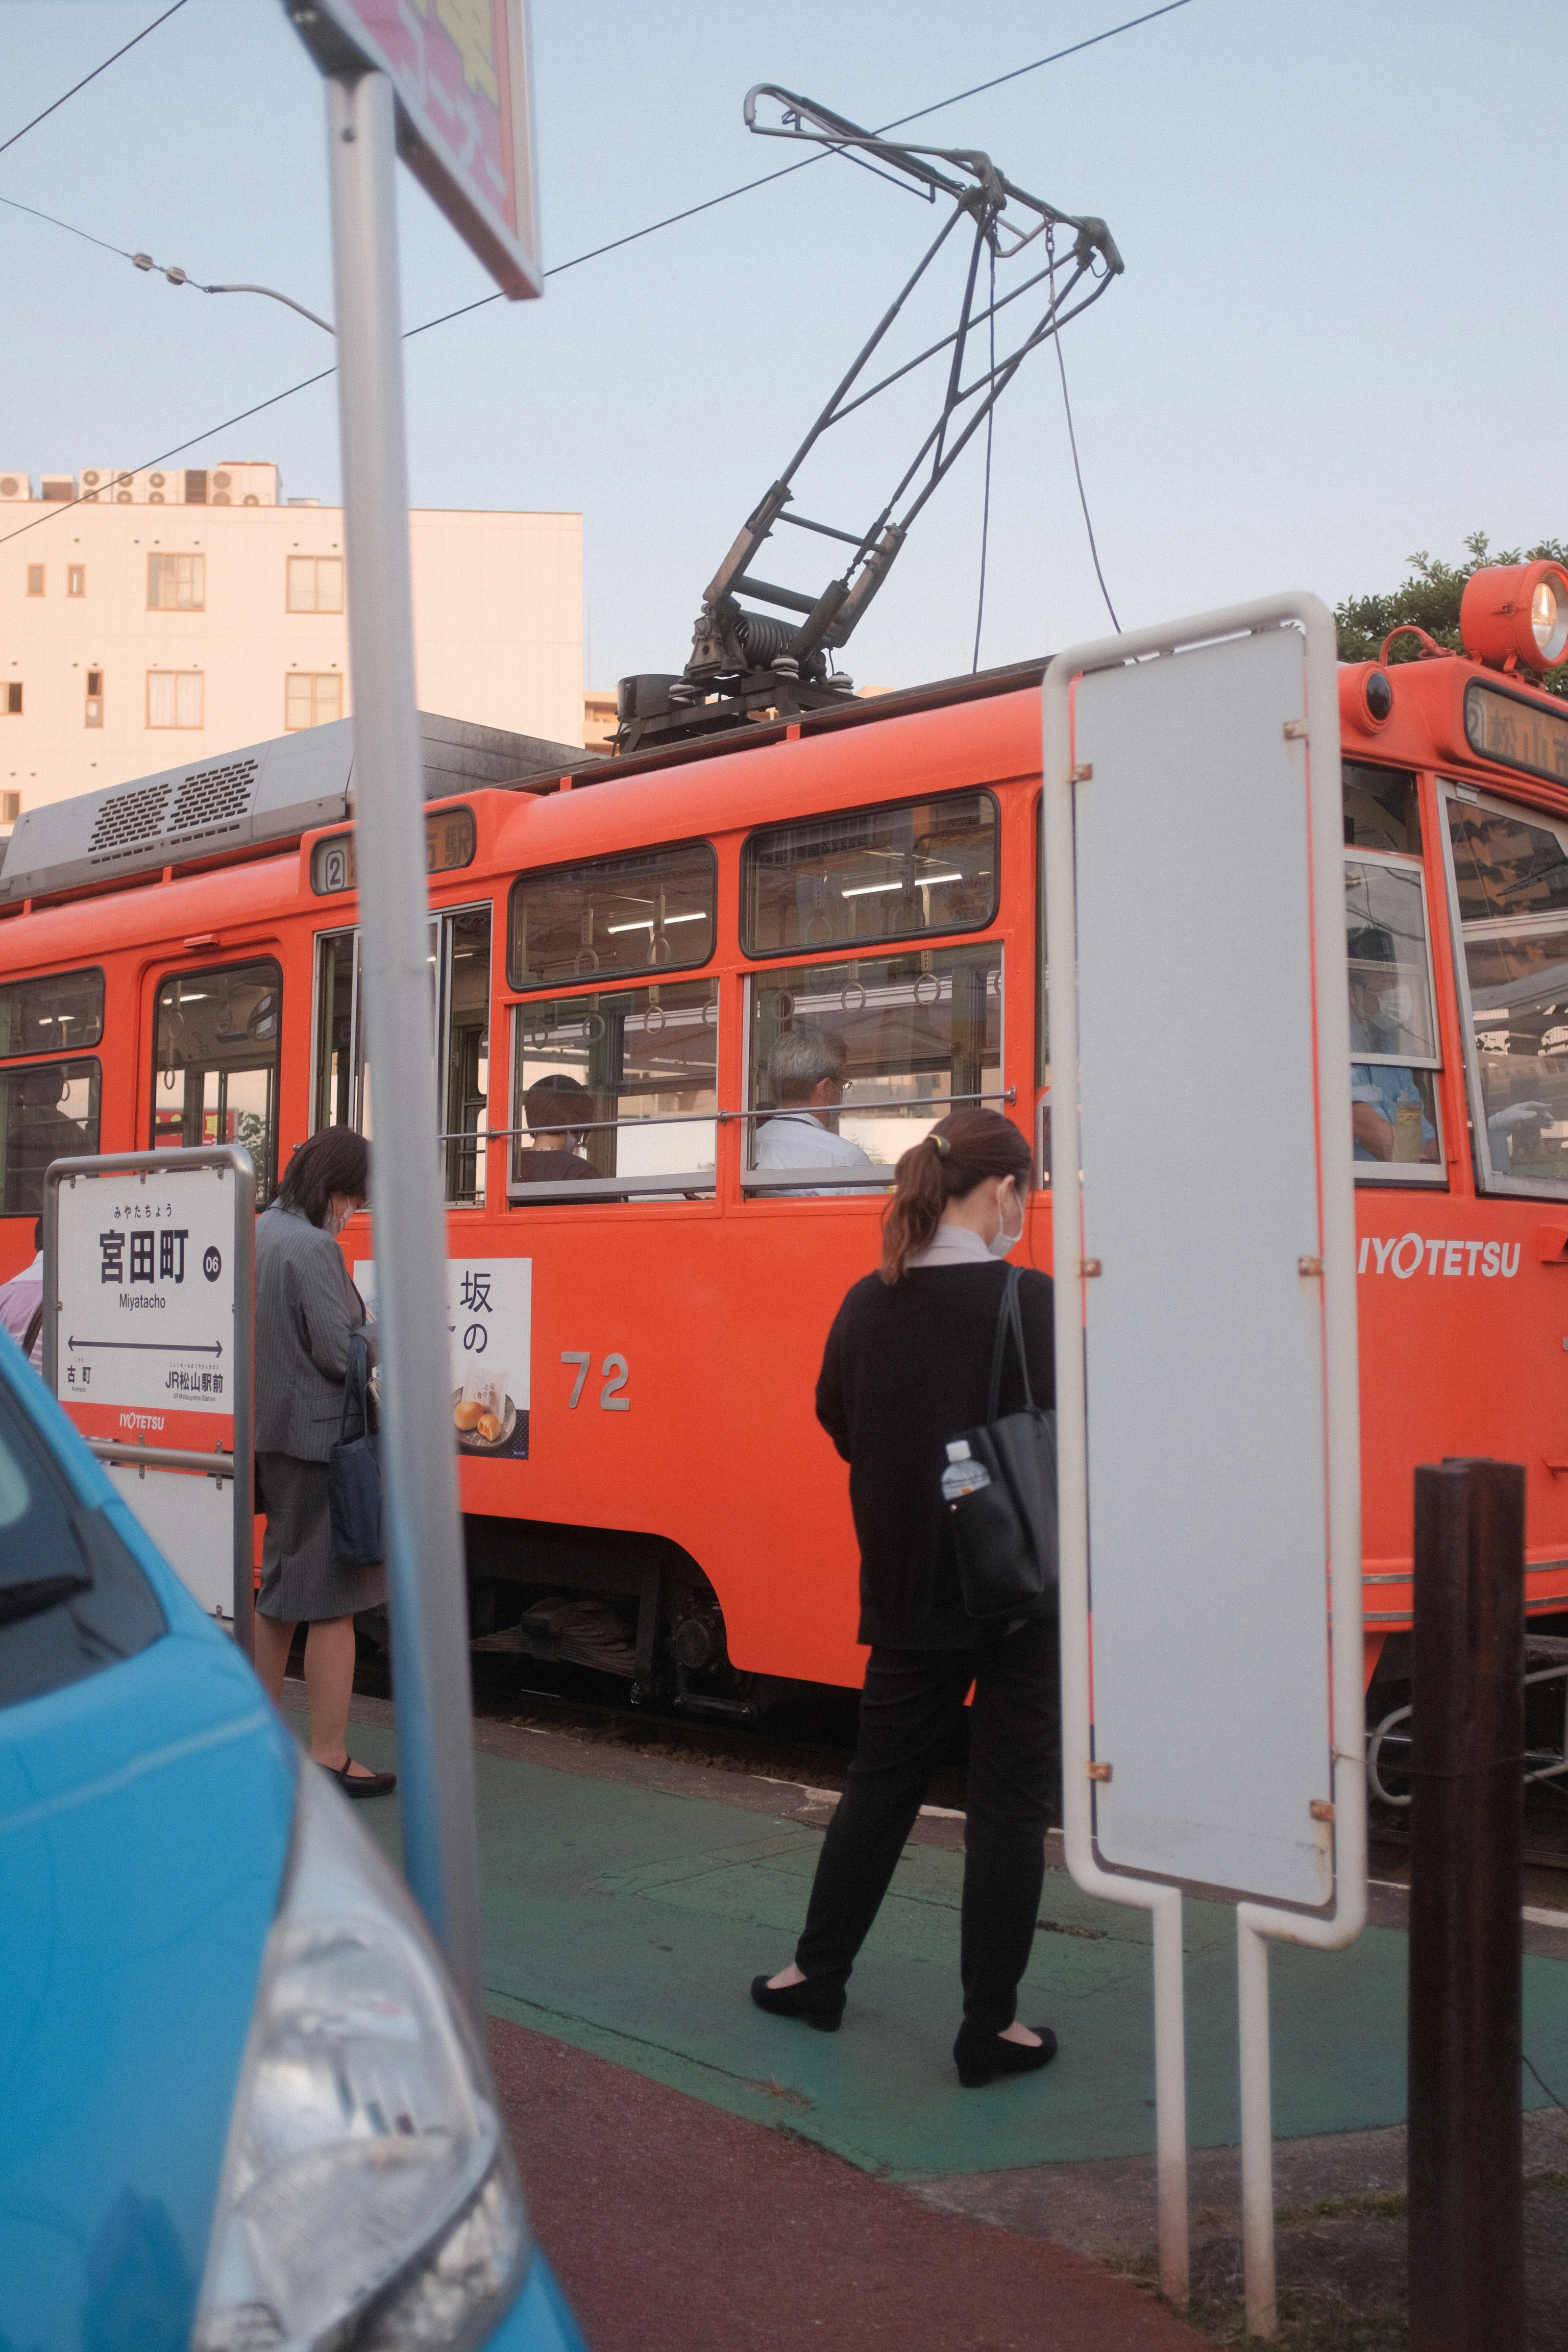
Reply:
x=1382, y=810
x=914, y=1035
x=618, y=1086
x=878, y=873
x=459, y=958
x=649, y=910
x=1394, y=1032
x=46, y=1017
x=48, y=1111
x=215, y=1078
x=1511, y=881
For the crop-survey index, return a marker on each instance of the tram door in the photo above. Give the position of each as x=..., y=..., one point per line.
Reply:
x=217, y=1036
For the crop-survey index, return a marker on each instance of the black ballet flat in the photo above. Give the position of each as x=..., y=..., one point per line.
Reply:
x=818, y=2005
x=979, y=2056
x=359, y=1784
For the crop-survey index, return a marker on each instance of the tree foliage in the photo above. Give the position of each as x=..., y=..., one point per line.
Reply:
x=1430, y=599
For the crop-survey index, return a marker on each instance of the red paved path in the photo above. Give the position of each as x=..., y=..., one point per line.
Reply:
x=674, y=2226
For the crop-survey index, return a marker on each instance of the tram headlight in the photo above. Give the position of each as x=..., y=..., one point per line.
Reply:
x=368, y=2195
x=1514, y=612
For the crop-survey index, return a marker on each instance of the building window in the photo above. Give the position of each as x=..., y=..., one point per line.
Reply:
x=174, y=697
x=10, y=807
x=34, y=579
x=76, y=580
x=176, y=584
x=311, y=699
x=93, y=716
x=13, y=698
x=315, y=583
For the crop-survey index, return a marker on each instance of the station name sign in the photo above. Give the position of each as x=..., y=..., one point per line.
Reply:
x=459, y=70
x=1516, y=733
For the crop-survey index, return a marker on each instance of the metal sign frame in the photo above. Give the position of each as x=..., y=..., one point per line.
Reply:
x=1316, y=735
x=344, y=37
x=239, y=1463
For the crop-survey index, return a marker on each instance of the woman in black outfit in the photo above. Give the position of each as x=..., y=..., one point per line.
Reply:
x=907, y=1367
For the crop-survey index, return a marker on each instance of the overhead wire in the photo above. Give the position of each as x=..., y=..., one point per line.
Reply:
x=54, y=107
x=594, y=253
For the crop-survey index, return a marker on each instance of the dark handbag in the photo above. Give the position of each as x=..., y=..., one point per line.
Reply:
x=1005, y=1525
x=353, y=1471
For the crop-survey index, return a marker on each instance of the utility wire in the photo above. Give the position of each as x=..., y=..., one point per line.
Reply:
x=86, y=78
x=594, y=253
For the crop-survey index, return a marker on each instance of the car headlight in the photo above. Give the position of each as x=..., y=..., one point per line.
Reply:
x=368, y=2196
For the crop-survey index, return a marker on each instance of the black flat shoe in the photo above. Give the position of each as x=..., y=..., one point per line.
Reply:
x=359, y=1784
x=979, y=2056
x=818, y=2005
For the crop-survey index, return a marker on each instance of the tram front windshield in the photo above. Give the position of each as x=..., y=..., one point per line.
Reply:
x=1511, y=877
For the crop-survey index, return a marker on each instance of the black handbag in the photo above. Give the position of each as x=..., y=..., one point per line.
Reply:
x=1004, y=1517
x=353, y=1471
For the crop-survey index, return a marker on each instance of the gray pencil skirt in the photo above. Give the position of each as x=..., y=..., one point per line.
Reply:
x=300, y=1577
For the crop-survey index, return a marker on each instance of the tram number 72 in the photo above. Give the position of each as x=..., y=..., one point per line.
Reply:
x=613, y=1372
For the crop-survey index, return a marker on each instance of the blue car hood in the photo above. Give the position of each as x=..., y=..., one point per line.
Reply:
x=144, y=1825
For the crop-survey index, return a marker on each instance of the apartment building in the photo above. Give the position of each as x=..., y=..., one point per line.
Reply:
x=149, y=617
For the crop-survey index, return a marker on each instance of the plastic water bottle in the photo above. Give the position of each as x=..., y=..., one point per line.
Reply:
x=964, y=1475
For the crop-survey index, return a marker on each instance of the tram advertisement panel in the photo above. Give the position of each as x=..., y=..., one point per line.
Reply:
x=489, y=1334
x=144, y=1275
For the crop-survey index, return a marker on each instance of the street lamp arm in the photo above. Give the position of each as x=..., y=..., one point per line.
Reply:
x=177, y=277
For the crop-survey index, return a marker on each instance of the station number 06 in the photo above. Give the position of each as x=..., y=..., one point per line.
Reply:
x=613, y=1372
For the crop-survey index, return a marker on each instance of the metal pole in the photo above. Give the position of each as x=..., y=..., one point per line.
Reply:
x=425, y=1549
x=1171, y=2096
x=1256, y=2128
x=1466, y=2148
x=244, y=1403
x=1072, y=1504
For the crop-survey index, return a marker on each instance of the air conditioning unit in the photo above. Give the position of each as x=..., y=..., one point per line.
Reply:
x=243, y=483
x=157, y=486
x=61, y=486
x=103, y=484
x=15, y=488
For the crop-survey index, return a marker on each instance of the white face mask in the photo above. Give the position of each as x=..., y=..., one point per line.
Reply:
x=1396, y=1005
x=1002, y=1241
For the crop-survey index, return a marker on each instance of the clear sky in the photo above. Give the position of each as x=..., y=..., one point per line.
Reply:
x=1334, y=343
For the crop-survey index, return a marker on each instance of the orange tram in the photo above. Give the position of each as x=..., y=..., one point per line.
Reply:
x=641, y=1281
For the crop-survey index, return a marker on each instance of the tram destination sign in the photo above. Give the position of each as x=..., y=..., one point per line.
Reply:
x=459, y=73
x=1516, y=733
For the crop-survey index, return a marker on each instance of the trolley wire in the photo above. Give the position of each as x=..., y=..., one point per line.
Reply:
x=986, y=500
x=58, y=102
x=594, y=253
x=1072, y=444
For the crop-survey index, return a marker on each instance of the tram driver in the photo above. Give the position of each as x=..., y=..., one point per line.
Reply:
x=805, y=1074
x=557, y=1152
x=1388, y=1118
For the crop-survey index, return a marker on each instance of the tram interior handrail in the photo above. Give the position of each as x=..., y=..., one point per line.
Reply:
x=721, y=1118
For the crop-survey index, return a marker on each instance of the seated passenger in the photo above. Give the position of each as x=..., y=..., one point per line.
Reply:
x=545, y=1106
x=41, y=1132
x=1388, y=1116
x=805, y=1073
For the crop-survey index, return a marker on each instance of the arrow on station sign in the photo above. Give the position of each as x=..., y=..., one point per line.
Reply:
x=152, y=1347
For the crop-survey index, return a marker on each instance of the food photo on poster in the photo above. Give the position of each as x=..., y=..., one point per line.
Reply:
x=490, y=1309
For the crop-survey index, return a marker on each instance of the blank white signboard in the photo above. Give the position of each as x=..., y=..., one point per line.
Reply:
x=191, y=1520
x=1204, y=1346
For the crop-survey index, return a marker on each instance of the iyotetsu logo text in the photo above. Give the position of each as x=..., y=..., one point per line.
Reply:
x=1413, y=1254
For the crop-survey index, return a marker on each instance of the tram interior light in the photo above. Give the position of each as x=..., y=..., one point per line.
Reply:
x=1515, y=613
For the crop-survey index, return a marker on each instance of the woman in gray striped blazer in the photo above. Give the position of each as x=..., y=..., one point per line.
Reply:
x=307, y=1311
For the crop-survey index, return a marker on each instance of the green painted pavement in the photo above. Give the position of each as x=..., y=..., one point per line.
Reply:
x=630, y=1923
